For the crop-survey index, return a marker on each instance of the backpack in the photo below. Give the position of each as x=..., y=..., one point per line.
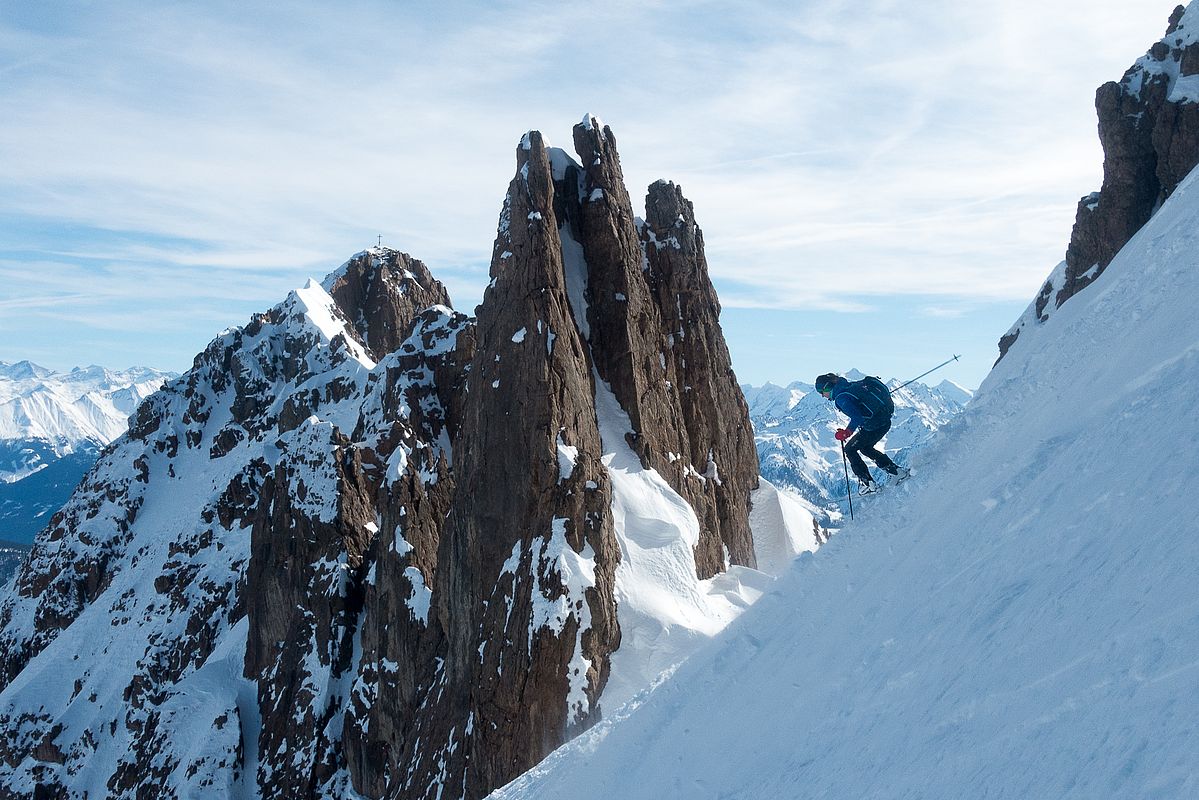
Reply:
x=874, y=397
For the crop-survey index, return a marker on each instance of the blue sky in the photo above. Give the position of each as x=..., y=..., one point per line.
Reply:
x=880, y=183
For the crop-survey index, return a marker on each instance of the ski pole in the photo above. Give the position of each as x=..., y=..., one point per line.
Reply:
x=848, y=491
x=922, y=374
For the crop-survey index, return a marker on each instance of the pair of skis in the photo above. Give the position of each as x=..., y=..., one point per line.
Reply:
x=875, y=487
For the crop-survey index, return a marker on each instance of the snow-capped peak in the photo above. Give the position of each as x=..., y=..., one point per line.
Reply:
x=315, y=303
x=23, y=370
x=1165, y=59
x=954, y=391
x=591, y=122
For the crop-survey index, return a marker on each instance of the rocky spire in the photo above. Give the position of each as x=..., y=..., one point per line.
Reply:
x=1149, y=129
x=526, y=571
x=719, y=439
x=656, y=338
x=523, y=617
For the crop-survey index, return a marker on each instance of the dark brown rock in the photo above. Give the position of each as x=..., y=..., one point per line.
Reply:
x=418, y=399
x=1150, y=143
x=225, y=441
x=308, y=544
x=529, y=391
x=628, y=335
x=380, y=291
x=656, y=339
x=718, y=434
x=1175, y=18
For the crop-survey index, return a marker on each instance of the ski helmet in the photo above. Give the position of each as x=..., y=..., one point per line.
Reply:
x=826, y=381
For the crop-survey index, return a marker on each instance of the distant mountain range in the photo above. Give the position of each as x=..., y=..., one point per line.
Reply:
x=53, y=426
x=45, y=415
x=794, y=431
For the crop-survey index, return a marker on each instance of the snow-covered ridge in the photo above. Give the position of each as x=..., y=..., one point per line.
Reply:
x=165, y=520
x=52, y=414
x=162, y=522
x=341, y=555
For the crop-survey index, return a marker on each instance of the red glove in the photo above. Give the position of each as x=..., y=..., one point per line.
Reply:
x=843, y=434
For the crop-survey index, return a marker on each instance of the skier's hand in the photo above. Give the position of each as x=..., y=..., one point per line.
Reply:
x=843, y=434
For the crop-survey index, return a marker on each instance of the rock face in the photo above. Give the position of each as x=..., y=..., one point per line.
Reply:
x=370, y=545
x=653, y=324
x=1149, y=129
x=380, y=299
x=539, y=591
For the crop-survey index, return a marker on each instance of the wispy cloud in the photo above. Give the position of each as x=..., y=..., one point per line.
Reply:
x=44, y=301
x=835, y=151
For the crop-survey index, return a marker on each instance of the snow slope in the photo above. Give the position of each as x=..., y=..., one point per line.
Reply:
x=665, y=612
x=1021, y=621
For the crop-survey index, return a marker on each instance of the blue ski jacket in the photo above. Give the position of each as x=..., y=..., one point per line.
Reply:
x=849, y=404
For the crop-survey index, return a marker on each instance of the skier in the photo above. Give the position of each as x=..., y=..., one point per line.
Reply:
x=868, y=405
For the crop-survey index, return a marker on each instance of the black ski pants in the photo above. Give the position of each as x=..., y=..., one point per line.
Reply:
x=862, y=444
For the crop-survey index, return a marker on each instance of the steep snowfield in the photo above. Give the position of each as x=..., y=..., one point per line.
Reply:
x=1021, y=621
x=665, y=612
